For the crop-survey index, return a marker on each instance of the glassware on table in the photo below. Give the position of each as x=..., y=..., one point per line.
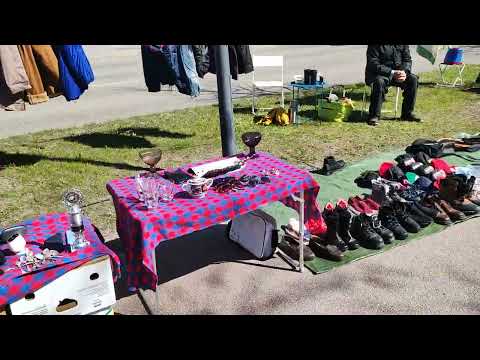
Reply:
x=167, y=191
x=151, y=192
x=139, y=184
x=251, y=139
x=151, y=158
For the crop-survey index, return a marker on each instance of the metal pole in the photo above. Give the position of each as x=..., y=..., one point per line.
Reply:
x=224, y=86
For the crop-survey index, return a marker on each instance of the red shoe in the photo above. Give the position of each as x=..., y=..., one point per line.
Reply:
x=356, y=206
x=371, y=204
x=364, y=206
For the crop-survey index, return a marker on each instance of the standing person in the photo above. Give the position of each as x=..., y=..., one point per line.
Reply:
x=390, y=65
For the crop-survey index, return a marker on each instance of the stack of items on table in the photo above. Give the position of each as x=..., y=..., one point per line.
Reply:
x=183, y=65
x=35, y=73
x=50, y=267
x=406, y=195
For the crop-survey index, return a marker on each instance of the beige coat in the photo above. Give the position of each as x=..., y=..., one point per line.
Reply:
x=13, y=78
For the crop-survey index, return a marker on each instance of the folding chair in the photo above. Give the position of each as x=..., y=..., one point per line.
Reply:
x=364, y=102
x=443, y=68
x=263, y=62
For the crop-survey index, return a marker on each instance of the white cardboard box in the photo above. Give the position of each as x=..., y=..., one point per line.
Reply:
x=84, y=290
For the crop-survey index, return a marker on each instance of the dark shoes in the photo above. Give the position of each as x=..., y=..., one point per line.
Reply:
x=291, y=247
x=330, y=165
x=373, y=121
x=376, y=225
x=345, y=219
x=390, y=221
x=363, y=232
x=410, y=117
x=331, y=217
x=432, y=209
x=418, y=216
x=404, y=218
x=323, y=250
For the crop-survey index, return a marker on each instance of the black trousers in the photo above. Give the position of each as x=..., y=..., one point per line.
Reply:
x=380, y=88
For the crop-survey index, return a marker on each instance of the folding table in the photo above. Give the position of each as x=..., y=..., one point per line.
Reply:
x=141, y=231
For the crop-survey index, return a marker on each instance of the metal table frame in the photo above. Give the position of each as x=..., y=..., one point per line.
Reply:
x=318, y=87
x=297, y=265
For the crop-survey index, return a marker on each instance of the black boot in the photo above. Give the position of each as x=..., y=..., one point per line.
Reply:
x=387, y=235
x=332, y=220
x=330, y=165
x=345, y=222
x=388, y=219
x=404, y=218
x=362, y=231
x=417, y=215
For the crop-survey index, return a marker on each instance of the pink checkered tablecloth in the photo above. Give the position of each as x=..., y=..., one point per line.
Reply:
x=141, y=230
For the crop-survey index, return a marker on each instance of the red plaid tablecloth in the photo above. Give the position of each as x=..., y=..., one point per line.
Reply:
x=141, y=230
x=14, y=285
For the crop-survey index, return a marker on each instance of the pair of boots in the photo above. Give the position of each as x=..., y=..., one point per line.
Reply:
x=339, y=219
x=457, y=190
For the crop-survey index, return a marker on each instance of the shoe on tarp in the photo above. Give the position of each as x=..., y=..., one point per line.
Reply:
x=330, y=165
x=291, y=247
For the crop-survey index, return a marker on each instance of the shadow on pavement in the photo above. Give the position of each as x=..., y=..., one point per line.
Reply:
x=184, y=255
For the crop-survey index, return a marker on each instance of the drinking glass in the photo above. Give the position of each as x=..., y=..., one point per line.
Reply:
x=139, y=179
x=167, y=191
x=151, y=192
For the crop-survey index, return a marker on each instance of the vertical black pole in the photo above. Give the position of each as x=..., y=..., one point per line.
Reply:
x=224, y=86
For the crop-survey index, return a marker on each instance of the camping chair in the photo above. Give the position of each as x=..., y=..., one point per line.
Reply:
x=364, y=102
x=453, y=57
x=443, y=68
x=266, y=61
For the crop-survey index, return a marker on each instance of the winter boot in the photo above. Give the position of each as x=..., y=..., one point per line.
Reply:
x=344, y=224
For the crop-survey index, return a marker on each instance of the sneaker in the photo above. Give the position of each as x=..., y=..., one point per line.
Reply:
x=376, y=225
x=362, y=231
x=344, y=224
x=359, y=206
x=388, y=219
x=371, y=203
x=404, y=218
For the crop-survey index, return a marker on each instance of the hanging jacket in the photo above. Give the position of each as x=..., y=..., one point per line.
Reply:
x=75, y=70
x=170, y=65
x=13, y=71
x=239, y=57
x=13, y=79
x=156, y=68
x=244, y=57
x=188, y=79
x=200, y=52
x=36, y=94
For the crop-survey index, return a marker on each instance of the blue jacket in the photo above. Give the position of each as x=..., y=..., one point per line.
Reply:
x=75, y=70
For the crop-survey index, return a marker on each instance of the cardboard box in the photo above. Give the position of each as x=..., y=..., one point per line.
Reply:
x=81, y=291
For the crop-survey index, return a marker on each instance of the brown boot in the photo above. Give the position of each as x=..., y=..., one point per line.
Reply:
x=452, y=213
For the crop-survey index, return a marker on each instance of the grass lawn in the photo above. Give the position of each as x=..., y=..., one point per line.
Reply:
x=35, y=169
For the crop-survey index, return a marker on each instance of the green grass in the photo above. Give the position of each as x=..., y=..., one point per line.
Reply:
x=35, y=169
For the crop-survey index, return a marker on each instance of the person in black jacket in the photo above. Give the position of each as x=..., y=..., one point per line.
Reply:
x=390, y=65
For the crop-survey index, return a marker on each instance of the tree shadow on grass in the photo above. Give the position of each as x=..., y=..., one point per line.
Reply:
x=30, y=159
x=117, y=141
x=151, y=131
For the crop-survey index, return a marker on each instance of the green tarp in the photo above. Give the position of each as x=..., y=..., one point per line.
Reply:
x=341, y=185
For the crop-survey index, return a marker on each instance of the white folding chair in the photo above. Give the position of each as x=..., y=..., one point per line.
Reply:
x=264, y=62
x=364, y=102
x=459, y=77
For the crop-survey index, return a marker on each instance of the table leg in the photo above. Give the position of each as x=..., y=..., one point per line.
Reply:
x=301, y=227
x=155, y=310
